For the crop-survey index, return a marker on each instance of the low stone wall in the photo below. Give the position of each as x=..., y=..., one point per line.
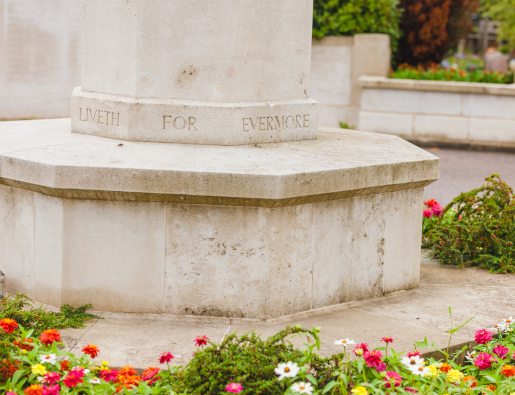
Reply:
x=40, y=57
x=439, y=111
x=336, y=65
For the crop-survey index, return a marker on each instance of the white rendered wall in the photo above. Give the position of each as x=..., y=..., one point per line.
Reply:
x=40, y=46
x=337, y=63
x=439, y=111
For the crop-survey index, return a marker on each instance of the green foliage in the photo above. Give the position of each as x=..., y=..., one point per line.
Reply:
x=436, y=73
x=20, y=308
x=477, y=229
x=346, y=126
x=349, y=17
x=502, y=11
x=247, y=360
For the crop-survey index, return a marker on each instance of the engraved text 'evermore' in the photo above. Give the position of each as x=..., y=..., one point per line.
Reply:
x=276, y=123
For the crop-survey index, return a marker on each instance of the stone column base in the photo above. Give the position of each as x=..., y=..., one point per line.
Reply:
x=248, y=232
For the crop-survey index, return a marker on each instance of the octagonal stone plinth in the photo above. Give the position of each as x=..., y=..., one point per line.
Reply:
x=248, y=231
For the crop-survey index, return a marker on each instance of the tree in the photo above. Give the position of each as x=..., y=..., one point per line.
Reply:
x=502, y=11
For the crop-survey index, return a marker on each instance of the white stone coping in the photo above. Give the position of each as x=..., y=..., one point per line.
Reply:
x=44, y=156
x=373, y=82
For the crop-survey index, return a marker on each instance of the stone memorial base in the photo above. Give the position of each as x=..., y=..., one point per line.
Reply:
x=253, y=231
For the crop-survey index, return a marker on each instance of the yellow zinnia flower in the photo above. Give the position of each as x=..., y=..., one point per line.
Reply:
x=359, y=390
x=433, y=370
x=454, y=376
x=38, y=369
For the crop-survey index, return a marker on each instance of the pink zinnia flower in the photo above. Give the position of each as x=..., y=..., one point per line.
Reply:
x=414, y=353
x=387, y=339
x=10, y=393
x=73, y=379
x=166, y=357
x=373, y=358
x=483, y=361
x=392, y=378
x=427, y=213
x=235, y=388
x=51, y=378
x=360, y=349
x=150, y=375
x=431, y=203
x=51, y=389
x=437, y=210
x=483, y=336
x=501, y=351
x=412, y=390
x=201, y=340
x=381, y=367
x=109, y=375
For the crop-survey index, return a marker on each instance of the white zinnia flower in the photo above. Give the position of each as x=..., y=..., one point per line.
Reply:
x=288, y=369
x=414, y=361
x=499, y=327
x=470, y=355
x=95, y=381
x=302, y=388
x=420, y=370
x=344, y=342
x=48, y=358
x=508, y=321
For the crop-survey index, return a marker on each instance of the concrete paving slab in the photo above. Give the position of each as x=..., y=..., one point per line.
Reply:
x=138, y=340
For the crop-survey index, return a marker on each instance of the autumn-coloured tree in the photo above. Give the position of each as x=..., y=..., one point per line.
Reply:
x=425, y=38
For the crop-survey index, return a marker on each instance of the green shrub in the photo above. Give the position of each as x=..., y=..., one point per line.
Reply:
x=19, y=308
x=436, y=73
x=247, y=360
x=477, y=229
x=349, y=17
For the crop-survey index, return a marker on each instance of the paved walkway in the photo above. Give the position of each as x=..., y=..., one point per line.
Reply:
x=461, y=171
x=138, y=340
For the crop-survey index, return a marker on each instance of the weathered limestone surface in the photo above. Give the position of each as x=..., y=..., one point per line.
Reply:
x=247, y=231
x=439, y=111
x=223, y=72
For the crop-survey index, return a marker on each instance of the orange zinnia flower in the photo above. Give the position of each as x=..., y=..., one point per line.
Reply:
x=91, y=350
x=49, y=336
x=8, y=368
x=508, y=371
x=472, y=379
x=65, y=365
x=8, y=325
x=34, y=389
x=490, y=387
x=445, y=367
x=127, y=382
x=126, y=372
x=19, y=343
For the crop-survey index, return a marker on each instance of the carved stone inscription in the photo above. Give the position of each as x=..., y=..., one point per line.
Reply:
x=276, y=123
x=179, y=123
x=99, y=116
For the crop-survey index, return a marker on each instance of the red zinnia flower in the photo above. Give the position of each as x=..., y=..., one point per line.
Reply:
x=109, y=374
x=445, y=367
x=235, y=388
x=34, y=389
x=20, y=344
x=428, y=213
x=8, y=325
x=387, y=339
x=49, y=336
x=73, y=379
x=165, y=357
x=472, y=380
x=483, y=336
x=483, y=361
x=392, y=378
x=91, y=350
x=201, y=340
x=490, y=387
x=150, y=375
x=360, y=349
x=508, y=371
x=430, y=203
x=373, y=358
x=414, y=353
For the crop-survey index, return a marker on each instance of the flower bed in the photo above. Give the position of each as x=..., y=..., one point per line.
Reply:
x=249, y=365
x=476, y=229
x=437, y=73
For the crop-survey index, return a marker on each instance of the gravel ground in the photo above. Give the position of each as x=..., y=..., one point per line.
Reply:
x=462, y=171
